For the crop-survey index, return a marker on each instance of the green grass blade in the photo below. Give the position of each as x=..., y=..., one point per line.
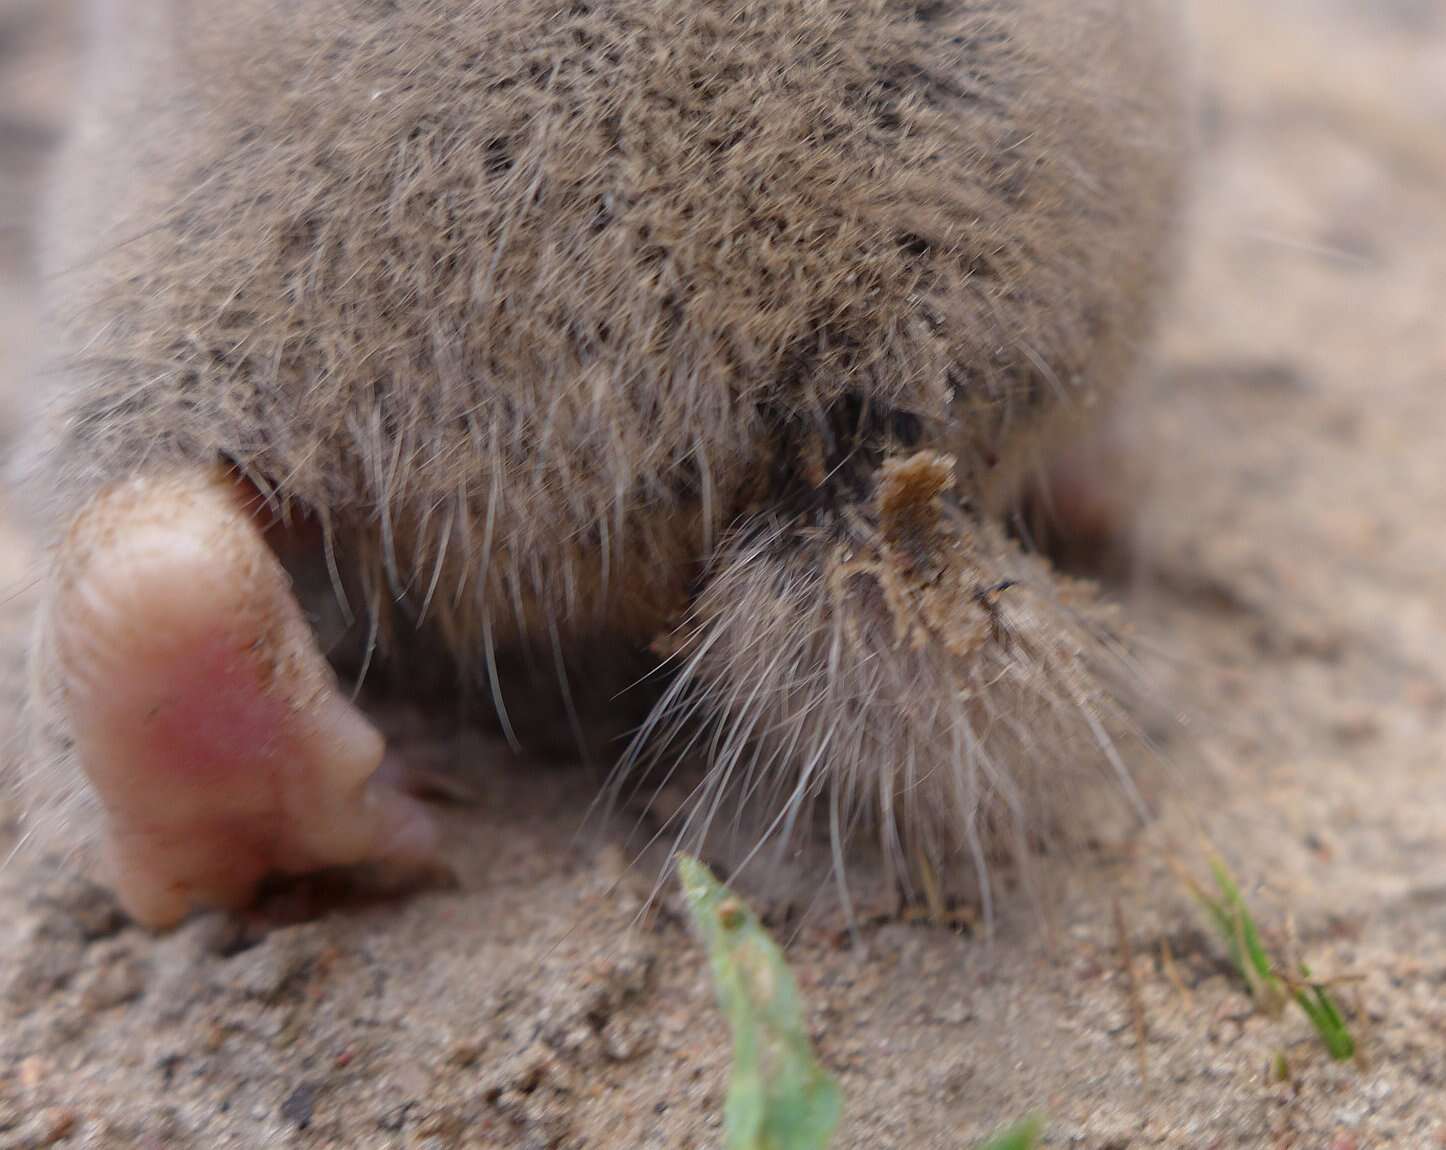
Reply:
x=1022, y=1137
x=1250, y=956
x=1326, y=1017
x=779, y=1097
x=1233, y=919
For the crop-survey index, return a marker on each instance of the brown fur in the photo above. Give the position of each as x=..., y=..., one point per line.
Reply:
x=568, y=319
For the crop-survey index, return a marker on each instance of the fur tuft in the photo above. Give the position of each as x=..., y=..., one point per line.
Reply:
x=893, y=667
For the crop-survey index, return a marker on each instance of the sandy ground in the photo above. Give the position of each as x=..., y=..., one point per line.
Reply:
x=1291, y=608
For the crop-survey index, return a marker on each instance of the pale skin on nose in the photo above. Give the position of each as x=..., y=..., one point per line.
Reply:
x=204, y=714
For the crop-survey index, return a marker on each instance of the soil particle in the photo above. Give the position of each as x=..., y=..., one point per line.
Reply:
x=43, y=966
x=47, y=1128
x=71, y=904
x=278, y=968
x=300, y=1104
x=115, y=975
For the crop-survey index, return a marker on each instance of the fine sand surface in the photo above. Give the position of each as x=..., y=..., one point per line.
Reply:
x=1290, y=610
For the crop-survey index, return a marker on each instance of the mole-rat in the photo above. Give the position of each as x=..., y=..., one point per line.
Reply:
x=501, y=343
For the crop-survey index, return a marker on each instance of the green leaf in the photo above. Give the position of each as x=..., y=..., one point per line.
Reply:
x=779, y=1097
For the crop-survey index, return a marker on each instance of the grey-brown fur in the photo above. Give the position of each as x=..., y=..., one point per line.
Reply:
x=608, y=318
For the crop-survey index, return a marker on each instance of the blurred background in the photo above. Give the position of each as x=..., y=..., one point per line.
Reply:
x=1292, y=605
x=37, y=65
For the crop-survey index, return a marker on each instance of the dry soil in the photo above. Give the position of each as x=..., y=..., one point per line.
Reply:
x=1290, y=606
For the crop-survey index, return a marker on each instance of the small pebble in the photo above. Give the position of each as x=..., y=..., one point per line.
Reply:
x=300, y=1104
x=44, y=966
x=34, y=1071
x=626, y=1039
x=115, y=978
x=87, y=908
x=52, y=1126
x=270, y=970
